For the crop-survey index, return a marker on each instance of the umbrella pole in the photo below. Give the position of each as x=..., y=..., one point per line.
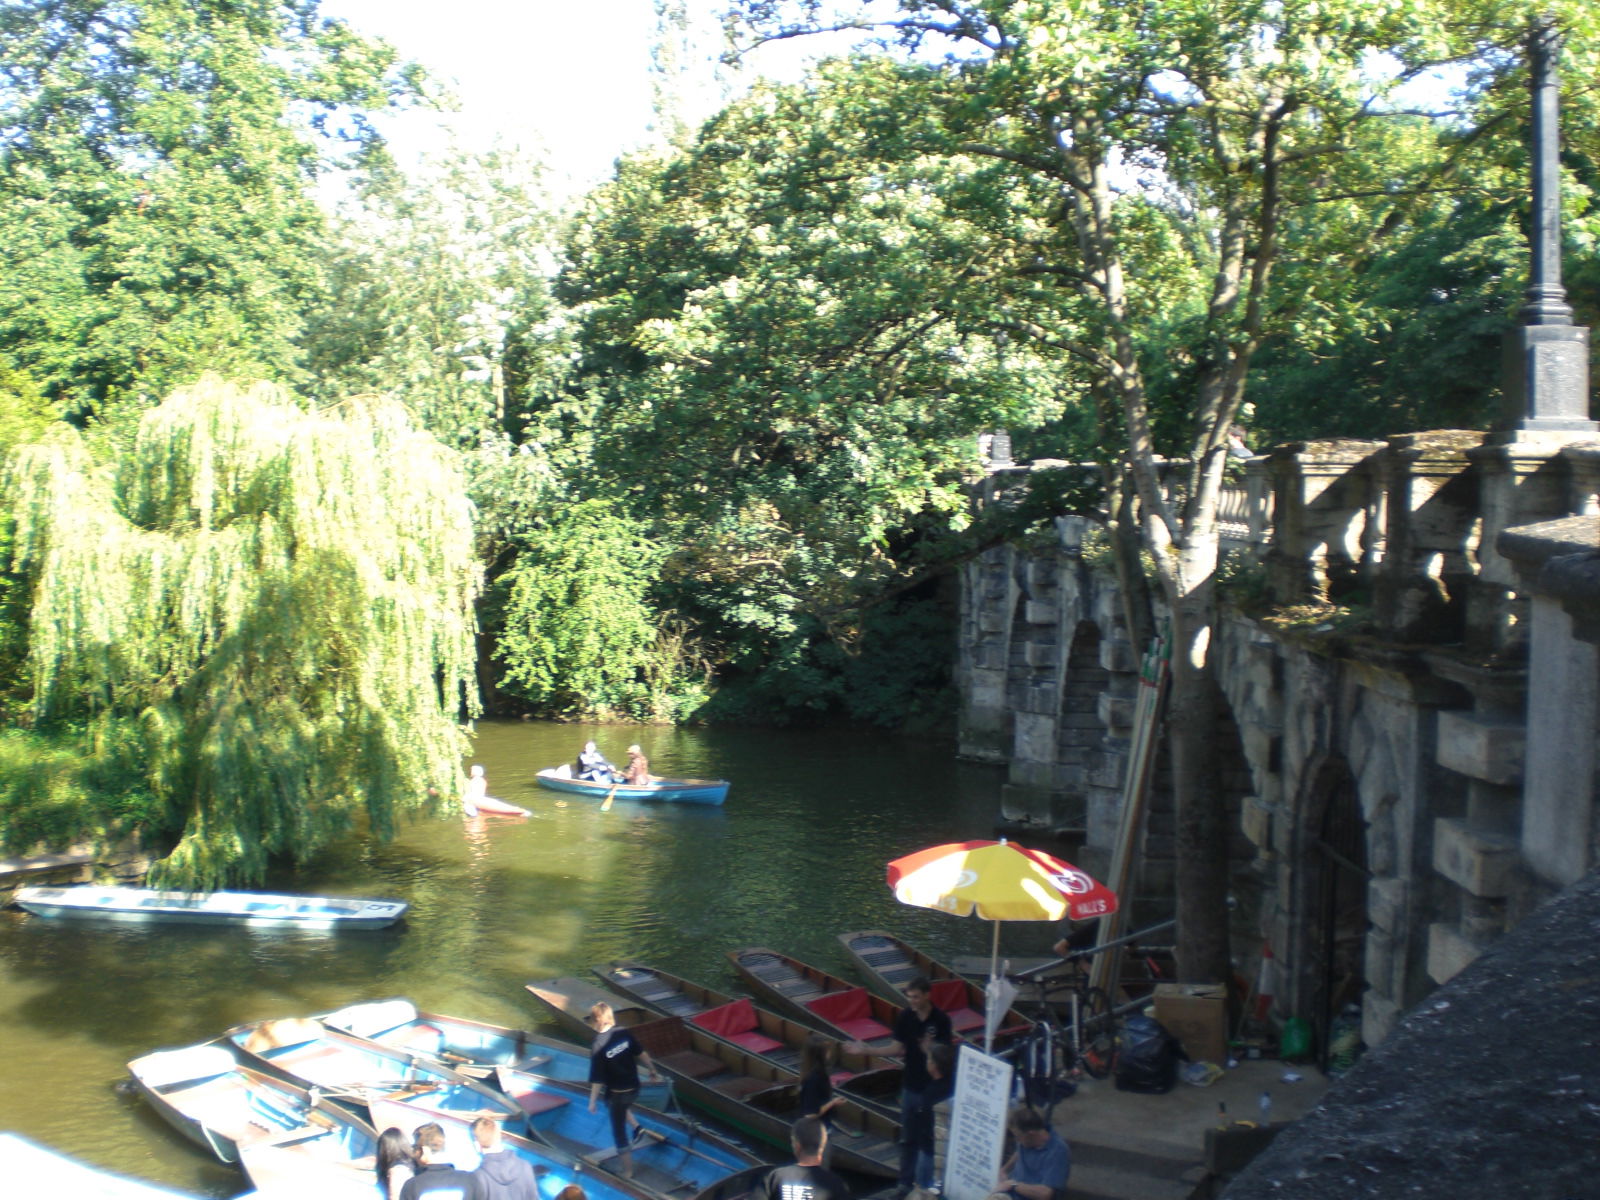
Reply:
x=994, y=967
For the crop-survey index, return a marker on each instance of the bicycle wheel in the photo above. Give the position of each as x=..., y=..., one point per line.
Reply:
x=1099, y=1026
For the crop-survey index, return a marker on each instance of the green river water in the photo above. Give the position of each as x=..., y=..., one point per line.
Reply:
x=794, y=858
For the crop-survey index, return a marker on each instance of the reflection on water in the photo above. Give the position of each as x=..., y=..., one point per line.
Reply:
x=794, y=858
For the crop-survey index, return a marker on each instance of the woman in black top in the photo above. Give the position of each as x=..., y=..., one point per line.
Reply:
x=817, y=1058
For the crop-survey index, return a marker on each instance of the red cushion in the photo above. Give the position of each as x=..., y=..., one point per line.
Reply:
x=950, y=994
x=852, y=1004
x=865, y=1029
x=963, y=1019
x=534, y=1103
x=726, y=1020
x=756, y=1043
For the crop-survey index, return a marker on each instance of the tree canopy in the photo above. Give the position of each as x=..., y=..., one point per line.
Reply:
x=156, y=157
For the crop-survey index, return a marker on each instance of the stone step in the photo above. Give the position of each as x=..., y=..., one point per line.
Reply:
x=1138, y=1153
x=1091, y=1182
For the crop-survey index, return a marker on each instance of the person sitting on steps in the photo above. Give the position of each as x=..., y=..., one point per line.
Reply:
x=1039, y=1167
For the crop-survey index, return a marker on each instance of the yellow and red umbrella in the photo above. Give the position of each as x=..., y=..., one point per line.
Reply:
x=999, y=881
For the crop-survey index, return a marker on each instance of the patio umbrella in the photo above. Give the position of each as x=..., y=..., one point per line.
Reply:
x=998, y=881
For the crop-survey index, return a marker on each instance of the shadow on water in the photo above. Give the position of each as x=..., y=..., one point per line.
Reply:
x=795, y=858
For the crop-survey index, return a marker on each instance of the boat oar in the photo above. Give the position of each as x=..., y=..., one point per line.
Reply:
x=605, y=805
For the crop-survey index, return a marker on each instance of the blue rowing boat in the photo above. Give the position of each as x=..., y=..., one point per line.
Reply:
x=671, y=1155
x=677, y=791
x=353, y=1071
x=474, y=1048
x=203, y=1093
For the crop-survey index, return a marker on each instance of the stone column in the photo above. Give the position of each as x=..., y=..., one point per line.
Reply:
x=1547, y=377
x=1559, y=562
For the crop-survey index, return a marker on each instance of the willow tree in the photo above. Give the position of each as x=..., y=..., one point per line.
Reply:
x=282, y=601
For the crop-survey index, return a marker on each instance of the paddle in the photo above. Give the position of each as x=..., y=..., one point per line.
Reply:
x=605, y=805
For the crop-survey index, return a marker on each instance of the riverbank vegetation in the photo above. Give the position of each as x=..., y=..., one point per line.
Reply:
x=699, y=447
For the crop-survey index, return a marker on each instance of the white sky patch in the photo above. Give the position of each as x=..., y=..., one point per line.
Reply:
x=569, y=83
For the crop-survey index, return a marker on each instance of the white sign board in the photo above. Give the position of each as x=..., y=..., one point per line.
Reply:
x=977, y=1125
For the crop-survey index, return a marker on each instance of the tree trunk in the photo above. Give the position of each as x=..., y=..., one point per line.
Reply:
x=1203, y=951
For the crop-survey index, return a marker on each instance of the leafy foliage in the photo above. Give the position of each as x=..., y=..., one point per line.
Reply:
x=68, y=786
x=282, y=601
x=579, y=635
x=438, y=291
x=155, y=163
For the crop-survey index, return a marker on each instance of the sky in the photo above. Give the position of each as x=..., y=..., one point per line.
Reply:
x=569, y=80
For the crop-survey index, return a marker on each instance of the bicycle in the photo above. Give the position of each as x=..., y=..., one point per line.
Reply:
x=1052, y=1056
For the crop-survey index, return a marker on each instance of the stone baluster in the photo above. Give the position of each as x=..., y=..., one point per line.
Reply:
x=1322, y=494
x=1583, y=478
x=1524, y=479
x=1428, y=563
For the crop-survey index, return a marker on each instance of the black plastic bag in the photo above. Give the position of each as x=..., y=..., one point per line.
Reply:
x=1148, y=1058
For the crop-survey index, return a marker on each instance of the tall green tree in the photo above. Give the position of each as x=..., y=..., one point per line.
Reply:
x=281, y=603
x=156, y=161
x=785, y=361
x=438, y=291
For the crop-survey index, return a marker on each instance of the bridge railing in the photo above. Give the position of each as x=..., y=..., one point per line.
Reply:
x=1405, y=527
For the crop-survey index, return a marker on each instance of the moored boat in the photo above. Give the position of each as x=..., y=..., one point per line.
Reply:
x=205, y=1094
x=552, y=1169
x=473, y=1048
x=752, y=1028
x=354, y=1071
x=257, y=910
x=672, y=1157
x=32, y=1169
x=742, y=1089
x=677, y=791
x=888, y=964
x=835, y=1006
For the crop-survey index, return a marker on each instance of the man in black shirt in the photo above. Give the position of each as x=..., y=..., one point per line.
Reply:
x=808, y=1179
x=918, y=1026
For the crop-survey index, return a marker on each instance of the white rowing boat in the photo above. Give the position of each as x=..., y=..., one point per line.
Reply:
x=258, y=910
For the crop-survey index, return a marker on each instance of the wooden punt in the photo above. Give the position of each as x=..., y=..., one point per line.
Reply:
x=833, y=1005
x=742, y=1089
x=752, y=1028
x=888, y=964
x=207, y=1096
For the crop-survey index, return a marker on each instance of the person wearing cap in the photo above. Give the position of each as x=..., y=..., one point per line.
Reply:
x=637, y=772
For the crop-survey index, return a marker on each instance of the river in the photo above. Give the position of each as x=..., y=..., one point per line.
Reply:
x=794, y=858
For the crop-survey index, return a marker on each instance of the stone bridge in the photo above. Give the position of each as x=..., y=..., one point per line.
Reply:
x=1409, y=655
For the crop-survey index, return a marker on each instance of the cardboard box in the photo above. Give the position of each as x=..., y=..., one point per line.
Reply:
x=1197, y=1015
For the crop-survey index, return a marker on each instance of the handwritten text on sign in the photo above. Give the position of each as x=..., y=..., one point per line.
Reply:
x=977, y=1125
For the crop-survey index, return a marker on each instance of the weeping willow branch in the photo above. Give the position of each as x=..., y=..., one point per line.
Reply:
x=282, y=600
